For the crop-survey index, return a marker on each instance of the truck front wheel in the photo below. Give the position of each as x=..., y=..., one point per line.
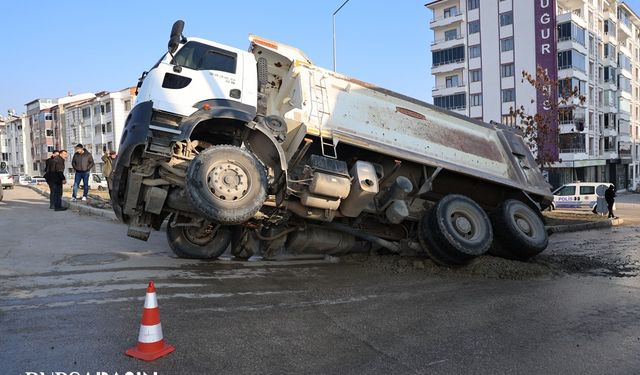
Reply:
x=455, y=231
x=198, y=242
x=520, y=232
x=226, y=184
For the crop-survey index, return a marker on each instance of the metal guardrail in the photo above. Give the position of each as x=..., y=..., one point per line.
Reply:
x=458, y=37
x=572, y=150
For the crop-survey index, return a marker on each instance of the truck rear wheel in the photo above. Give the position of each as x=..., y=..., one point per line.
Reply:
x=455, y=231
x=226, y=184
x=206, y=242
x=520, y=232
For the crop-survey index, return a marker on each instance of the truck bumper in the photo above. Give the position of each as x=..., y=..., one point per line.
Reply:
x=134, y=137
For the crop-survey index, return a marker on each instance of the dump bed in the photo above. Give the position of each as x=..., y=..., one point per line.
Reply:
x=345, y=110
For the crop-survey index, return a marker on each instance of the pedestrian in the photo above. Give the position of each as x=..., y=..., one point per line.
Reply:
x=610, y=197
x=47, y=175
x=82, y=163
x=107, y=166
x=56, y=176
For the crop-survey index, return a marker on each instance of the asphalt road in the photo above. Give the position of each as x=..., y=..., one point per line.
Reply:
x=72, y=290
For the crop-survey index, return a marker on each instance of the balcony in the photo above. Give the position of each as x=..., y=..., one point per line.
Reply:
x=571, y=126
x=448, y=67
x=445, y=43
x=446, y=20
x=448, y=89
x=570, y=154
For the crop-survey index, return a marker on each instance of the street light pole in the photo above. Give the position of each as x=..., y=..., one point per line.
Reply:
x=334, y=33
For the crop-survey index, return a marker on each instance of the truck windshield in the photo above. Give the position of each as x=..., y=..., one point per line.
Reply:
x=198, y=56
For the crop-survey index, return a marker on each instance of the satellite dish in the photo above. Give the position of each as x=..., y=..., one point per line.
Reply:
x=601, y=189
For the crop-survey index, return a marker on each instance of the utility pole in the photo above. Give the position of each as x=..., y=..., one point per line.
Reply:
x=334, y=33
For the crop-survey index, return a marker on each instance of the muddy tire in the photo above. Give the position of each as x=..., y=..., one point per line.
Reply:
x=226, y=184
x=455, y=231
x=519, y=230
x=198, y=243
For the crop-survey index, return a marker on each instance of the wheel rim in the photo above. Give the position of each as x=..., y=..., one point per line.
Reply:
x=527, y=223
x=465, y=223
x=229, y=181
x=198, y=235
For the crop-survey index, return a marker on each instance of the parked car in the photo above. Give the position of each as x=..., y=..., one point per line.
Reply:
x=96, y=182
x=6, y=179
x=578, y=195
x=24, y=180
x=37, y=180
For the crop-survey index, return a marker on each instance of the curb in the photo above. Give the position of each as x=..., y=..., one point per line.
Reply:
x=82, y=208
x=584, y=226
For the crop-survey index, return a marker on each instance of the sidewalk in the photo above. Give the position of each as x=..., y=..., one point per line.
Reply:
x=80, y=206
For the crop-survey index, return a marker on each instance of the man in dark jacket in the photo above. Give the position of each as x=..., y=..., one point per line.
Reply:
x=47, y=168
x=57, y=179
x=610, y=197
x=82, y=162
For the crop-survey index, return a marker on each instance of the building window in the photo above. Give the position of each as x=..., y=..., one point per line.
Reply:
x=609, y=28
x=475, y=100
x=474, y=27
x=448, y=35
x=49, y=148
x=108, y=107
x=48, y=117
x=506, y=70
x=448, y=56
x=451, y=81
x=473, y=4
x=450, y=12
x=457, y=101
x=49, y=132
x=571, y=59
x=127, y=103
x=506, y=44
x=109, y=127
x=98, y=129
x=506, y=18
x=475, y=75
x=474, y=51
x=508, y=95
x=96, y=110
x=571, y=31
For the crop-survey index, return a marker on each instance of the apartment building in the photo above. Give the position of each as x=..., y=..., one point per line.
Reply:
x=97, y=123
x=480, y=49
x=40, y=132
x=17, y=147
x=59, y=119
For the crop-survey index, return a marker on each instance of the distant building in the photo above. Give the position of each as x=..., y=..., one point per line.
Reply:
x=18, y=145
x=480, y=49
x=40, y=132
x=59, y=119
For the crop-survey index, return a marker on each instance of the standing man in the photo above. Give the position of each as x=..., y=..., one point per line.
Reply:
x=56, y=173
x=47, y=175
x=82, y=163
x=107, y=166
x=610, y=197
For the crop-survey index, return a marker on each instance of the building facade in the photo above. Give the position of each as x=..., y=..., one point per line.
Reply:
x=481, y=48
x=97, y=123
x=40, y=128
x=18, y=147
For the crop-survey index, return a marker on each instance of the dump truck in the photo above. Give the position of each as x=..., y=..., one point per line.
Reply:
x=264, y=153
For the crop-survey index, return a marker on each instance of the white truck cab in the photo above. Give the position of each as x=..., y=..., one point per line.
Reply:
x=200, y=69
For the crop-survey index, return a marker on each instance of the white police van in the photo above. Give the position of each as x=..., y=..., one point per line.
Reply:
x=579, y=195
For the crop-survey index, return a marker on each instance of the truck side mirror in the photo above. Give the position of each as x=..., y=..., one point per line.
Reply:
x=176, y=36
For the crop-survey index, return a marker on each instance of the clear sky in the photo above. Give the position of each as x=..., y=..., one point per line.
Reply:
x=51, y=48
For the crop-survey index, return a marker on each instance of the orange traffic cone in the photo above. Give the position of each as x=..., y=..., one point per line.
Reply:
x=151, y=345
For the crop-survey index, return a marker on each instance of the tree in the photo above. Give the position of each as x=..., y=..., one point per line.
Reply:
x=540, y=129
